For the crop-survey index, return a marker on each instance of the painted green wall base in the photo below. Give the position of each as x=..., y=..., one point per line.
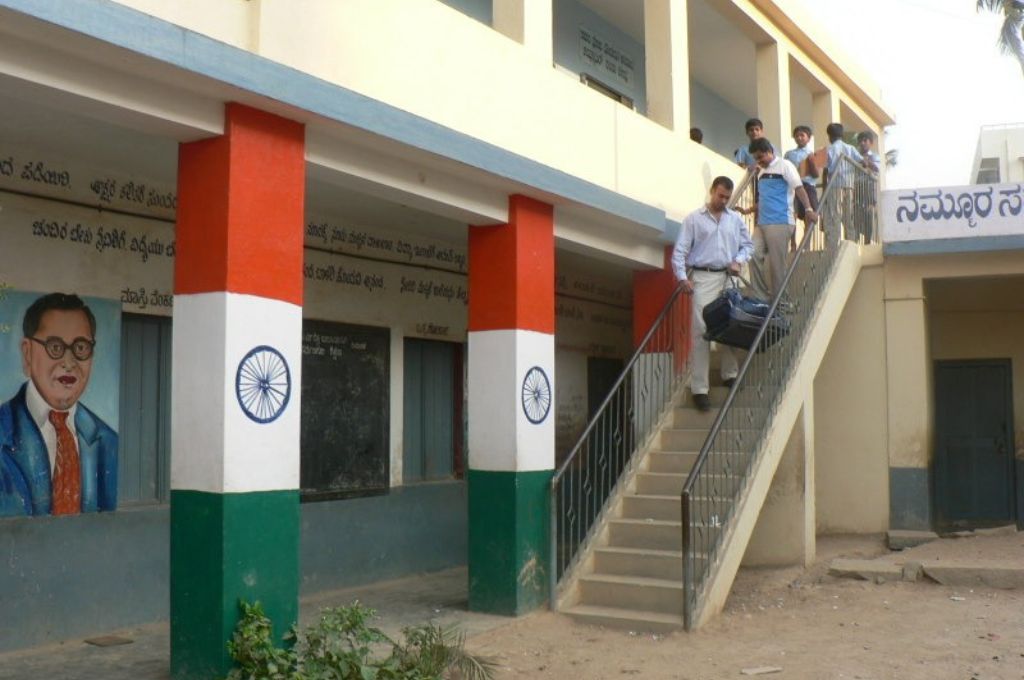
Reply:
x=508, y=540
x=227, y=547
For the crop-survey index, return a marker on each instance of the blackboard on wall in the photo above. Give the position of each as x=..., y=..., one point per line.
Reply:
x=345, y=373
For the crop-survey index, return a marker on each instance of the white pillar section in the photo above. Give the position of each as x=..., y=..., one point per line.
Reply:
x=666, y=45
x=773, y=93
x=825, y=110
x=529, y=22
x=507, y=433
x=210, y=394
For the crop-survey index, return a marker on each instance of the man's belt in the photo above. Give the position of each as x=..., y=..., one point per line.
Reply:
x=716, y=270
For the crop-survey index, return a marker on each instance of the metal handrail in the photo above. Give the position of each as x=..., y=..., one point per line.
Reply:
x=618, y=430
x=718, y=478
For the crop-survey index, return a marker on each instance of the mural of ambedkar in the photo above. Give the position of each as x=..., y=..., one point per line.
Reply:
x=56, y=456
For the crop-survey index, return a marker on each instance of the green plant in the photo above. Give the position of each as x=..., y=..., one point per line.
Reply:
x=342, y=645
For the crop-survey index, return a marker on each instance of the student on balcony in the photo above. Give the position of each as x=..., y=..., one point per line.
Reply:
x=713, y=244
x=840, y=174
x=755, y=130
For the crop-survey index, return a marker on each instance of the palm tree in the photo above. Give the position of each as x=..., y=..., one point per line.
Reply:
x=1011, y=38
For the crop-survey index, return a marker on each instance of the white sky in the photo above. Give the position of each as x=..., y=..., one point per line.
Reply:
x=941, y=75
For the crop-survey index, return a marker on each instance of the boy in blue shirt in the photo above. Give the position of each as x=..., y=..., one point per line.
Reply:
x=839, y=173
x=802, y=136
x=777, y=183
x=755, y=130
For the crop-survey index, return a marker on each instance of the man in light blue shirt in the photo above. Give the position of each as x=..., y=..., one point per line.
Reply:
x=713, y=244
x=840, y=174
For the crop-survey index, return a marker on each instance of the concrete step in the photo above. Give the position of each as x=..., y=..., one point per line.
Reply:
x=683, y=439
x=689, y=417
x=651, y=534
x=648, y=506
x=671, y=461
x=670, y=483
x=716, y=394
x=692, y=438
x=660, y=564
x=632, y=592
x=625, y=619
x=660, y=483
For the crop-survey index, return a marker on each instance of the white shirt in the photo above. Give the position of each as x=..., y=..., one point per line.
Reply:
x=40, y=412
x=704, y=241
x=776, y=186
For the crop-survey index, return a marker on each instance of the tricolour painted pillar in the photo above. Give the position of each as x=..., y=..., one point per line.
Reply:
x=651, y=290
x=511, y=407
x=235, y=390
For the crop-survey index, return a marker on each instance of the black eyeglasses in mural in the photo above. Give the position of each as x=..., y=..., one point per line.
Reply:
x=81, y=348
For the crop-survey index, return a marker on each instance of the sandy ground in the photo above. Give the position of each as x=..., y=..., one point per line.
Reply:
x=807, y=623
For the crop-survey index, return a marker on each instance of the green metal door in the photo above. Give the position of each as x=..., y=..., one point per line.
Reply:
x=144, y=434
x=430, y=410
x=974, y=472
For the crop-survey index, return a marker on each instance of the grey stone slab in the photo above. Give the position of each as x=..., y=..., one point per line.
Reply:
x=867, y=570
x=901, y=539
x=967, y=574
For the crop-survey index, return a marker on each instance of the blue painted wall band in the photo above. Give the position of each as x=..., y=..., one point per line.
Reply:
x=941, y=246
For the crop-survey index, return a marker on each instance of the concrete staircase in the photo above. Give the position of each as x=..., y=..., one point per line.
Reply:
x=633, y=576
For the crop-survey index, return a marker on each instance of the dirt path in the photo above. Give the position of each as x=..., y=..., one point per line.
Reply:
x=810, y=624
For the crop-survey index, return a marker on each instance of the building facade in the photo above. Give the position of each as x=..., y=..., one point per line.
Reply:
x=359, y=271
x=1000, y=154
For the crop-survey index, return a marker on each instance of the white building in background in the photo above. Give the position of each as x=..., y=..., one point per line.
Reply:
x=1000, y=154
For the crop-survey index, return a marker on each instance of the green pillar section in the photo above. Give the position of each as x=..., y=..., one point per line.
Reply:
x=227, y=547
x=508, y=540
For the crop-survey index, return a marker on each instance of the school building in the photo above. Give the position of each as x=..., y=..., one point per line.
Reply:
x=363, y=271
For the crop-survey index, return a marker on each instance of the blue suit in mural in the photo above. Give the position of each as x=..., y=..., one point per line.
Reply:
x=25, y=464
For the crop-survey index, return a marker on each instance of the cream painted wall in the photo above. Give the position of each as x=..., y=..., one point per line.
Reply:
x=234, y=22
x=852, y=462
x=425, y=57
x=985, y=335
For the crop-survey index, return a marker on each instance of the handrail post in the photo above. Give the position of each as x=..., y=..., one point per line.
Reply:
x=553, y=561
x=687, y=564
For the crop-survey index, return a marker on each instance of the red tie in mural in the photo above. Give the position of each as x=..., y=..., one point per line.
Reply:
x=67, y=476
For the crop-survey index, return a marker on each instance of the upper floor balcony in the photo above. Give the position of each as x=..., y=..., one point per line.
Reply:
x=604, y=90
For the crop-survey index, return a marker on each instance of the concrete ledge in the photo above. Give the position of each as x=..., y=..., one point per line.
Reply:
x=866, y=570
x=901, y=539
x=976, y=574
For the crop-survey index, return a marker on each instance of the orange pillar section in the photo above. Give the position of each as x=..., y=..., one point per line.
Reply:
x=512, y=271
x=240, y=196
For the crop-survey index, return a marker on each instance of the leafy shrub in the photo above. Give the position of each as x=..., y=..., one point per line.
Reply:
x=343, y=645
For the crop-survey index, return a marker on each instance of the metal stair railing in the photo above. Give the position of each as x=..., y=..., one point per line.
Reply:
x=719, y=477
x=621, y=428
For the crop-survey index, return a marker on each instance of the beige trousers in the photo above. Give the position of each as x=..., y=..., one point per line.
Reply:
x=771, y=257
